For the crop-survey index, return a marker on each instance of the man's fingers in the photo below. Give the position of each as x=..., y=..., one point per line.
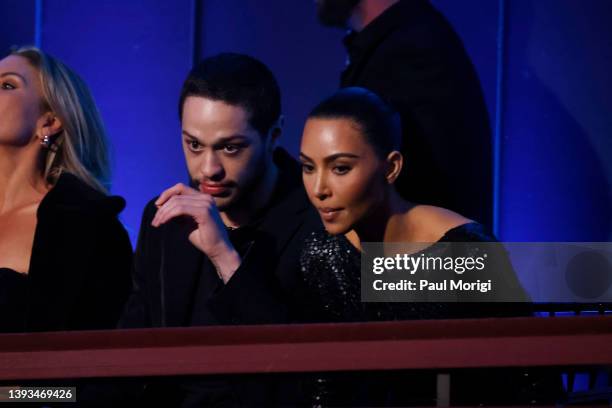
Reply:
x=177, y=189
x=196, y=206
x=177, y=210
x=162, y=211
x=166, y=194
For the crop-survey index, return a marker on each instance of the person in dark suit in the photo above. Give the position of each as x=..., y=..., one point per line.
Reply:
x=65, y=258
x=224, y=250
x=408, y=53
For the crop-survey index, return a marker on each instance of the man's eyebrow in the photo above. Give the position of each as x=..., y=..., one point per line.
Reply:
x=220, y=141
x=233, y=138
x=14, y=74
x=189, y=135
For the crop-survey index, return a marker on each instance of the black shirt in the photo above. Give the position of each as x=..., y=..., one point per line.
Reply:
x=209, y=282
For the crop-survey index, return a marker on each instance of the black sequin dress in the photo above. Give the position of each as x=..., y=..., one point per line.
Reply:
x=331, y=269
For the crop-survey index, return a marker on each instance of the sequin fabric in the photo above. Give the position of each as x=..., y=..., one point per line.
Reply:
x=331, y=269
x=330, y=266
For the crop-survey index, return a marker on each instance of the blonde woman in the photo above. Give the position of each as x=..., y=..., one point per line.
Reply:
x=64, y=256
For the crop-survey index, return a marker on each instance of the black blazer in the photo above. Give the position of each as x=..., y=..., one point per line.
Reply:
x=267, y=287
x=411, y=56
x=79, y=276
x=170, y=275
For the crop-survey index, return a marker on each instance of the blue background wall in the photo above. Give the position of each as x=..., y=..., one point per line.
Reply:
x=543, y=64
x=556, y=162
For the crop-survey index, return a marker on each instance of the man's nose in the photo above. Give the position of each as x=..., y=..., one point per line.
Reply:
x=212, y=167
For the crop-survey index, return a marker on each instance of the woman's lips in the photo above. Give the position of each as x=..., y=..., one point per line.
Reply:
x=329, y=214
x=214, y=189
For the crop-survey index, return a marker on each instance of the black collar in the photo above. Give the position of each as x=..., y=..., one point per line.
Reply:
x=71, y=194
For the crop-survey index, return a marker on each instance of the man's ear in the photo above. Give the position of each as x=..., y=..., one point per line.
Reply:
x=275, y=132
x=394, y=164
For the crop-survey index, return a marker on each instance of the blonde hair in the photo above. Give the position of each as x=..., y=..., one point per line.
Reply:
x=81, y=147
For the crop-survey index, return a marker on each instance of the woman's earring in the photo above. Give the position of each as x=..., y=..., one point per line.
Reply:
x=46, y=141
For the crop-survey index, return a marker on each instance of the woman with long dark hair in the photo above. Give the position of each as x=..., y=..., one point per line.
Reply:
x=350, y=154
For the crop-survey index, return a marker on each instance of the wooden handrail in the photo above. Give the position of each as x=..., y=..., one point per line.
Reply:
x=433, y=344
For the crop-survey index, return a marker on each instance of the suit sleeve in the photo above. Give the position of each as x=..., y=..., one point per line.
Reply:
x=136, y=313
x=251, y=296
x=107, y=279
x=255, y=293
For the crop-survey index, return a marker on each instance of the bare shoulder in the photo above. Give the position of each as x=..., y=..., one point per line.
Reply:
x=430, y=223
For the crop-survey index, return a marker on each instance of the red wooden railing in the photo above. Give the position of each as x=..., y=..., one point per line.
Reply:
x=434, y=344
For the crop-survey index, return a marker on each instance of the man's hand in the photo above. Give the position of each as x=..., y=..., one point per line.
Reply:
x=210, y=235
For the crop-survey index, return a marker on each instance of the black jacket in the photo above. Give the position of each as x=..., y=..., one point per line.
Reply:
x=79, y=276
x=267, y=286
x=170, y=275
x=411, y=56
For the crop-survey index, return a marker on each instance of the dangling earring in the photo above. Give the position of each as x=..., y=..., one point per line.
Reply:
x=46, y=142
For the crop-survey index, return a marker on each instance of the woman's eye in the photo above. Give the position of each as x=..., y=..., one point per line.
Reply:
x=341, y=169
x=307, y=168
x=7, y=86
